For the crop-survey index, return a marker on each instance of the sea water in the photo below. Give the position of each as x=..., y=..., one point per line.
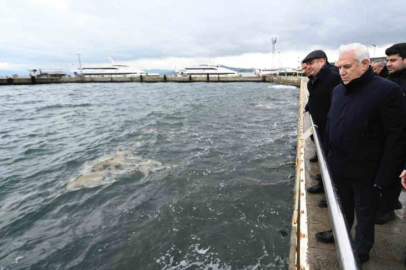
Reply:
x=146, y=176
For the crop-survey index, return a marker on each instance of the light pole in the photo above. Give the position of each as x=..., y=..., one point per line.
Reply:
x=80, y=65
x=374, y=48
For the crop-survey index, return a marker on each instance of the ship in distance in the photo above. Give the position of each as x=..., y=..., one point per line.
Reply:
x=110, y=70
x=204, y=70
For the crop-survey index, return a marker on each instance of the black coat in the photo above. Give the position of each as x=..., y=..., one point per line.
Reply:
x=384, y=73
x=320, y=93
x=399, y=78
x=365, y=133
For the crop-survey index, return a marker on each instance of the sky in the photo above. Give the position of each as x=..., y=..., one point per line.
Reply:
x=172, y=34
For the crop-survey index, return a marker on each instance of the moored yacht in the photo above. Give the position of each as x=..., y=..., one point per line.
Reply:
x=204, y=70
x=278, y=72
x=113, y=70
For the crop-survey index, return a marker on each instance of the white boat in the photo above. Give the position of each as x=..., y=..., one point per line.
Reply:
x=277, y=72
x=204, y=70
x=113, y=70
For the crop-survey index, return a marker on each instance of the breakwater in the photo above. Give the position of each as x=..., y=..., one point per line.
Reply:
x=150, y=79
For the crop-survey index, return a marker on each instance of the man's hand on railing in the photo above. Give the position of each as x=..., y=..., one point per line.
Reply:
x=403, y=178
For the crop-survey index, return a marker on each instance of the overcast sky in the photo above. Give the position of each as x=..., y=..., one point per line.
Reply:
x=165, y=34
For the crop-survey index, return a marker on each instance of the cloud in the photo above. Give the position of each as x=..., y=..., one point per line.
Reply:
x=4, y=65
x=51, y=32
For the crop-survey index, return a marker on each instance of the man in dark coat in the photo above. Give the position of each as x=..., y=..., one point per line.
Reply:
x=396, y=56
x=322, y=80
x=364, y=141
x=380, y=69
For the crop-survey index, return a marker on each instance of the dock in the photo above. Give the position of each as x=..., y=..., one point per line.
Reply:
x=150, y=79
x=306, y=252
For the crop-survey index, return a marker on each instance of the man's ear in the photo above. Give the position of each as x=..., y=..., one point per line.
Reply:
x=365, y=64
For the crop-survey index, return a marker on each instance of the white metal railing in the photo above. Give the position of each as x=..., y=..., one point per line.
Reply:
x=342, y=236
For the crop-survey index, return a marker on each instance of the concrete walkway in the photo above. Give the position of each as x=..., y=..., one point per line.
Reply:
x=390, y=239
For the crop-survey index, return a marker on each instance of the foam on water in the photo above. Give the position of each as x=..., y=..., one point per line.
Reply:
x=107, y=169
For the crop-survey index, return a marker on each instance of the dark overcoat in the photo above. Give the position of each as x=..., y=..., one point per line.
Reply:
x=399, y=78
x=365, y=133
x=384, y=73
x=320, y=93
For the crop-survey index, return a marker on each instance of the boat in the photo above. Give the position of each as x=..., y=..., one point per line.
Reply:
x=112, y=70
x=278, y=72
x=204, y=70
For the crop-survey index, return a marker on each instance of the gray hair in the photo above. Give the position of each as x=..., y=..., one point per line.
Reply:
x=380, y=62
x=361, y=51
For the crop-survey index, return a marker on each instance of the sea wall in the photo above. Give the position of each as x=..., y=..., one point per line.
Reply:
x=148, y=79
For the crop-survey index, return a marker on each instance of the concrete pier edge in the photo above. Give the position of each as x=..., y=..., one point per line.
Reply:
x=290, y=80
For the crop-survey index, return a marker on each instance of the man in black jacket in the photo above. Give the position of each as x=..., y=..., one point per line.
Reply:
x=363, y=141
x=380, y=69
x=396, y=56
x=322, y=80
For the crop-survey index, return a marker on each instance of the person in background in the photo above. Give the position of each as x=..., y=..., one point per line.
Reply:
x=322, y=80
x=304, y=69
x=363, y=142
x=380, y=69
x=396, y=56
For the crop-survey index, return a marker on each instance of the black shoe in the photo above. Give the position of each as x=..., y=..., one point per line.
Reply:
x=325, y=237
x=323, y=203
x=363, y=258
x=316, y=189
x=314, y=159
x=318, y=178
x=398, y=205
x=385, y=217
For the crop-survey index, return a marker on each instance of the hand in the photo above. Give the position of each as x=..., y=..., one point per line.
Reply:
x=304, y=111
x=377, y=186
x=403, y=178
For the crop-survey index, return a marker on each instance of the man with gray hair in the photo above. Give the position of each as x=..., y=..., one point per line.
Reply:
x=380, y=69
x=363, y=142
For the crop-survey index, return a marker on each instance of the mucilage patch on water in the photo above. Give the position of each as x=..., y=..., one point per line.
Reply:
x=107, y=169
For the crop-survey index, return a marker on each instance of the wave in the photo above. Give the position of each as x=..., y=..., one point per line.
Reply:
x=107, y=170
x=60, y=106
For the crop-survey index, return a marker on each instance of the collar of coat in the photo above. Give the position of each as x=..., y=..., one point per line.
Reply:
x=398, y=74
x=358, y=82
x=384, y=72
x=322, y=75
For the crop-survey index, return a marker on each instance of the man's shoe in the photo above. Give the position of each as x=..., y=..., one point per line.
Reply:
x=314, y=159
x=398, y=205
x=318, y=178
x=363, y=258
x=325, y=237
x=385, y=217
x=316, y=189
x=323, y=203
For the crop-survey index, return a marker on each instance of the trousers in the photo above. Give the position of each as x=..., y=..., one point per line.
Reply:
x=364, y=199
